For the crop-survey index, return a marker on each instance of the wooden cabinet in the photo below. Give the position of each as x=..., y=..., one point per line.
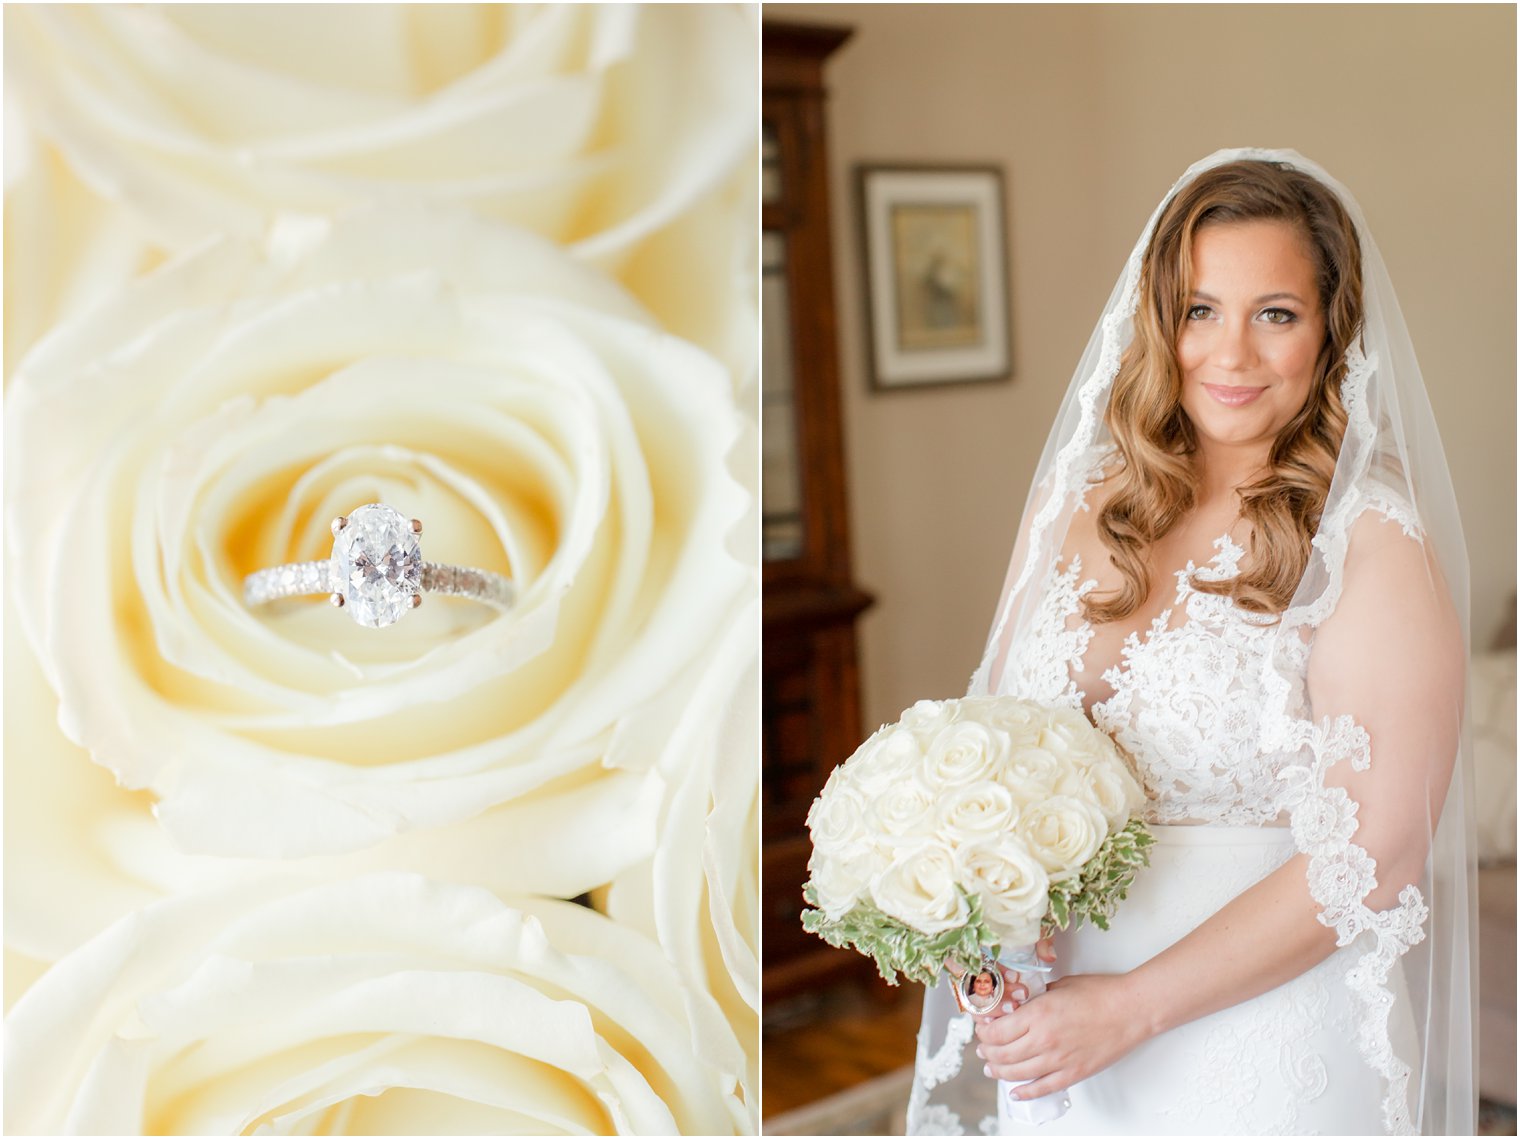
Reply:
x=811, y=697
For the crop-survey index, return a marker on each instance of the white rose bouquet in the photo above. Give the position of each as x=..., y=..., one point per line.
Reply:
x=969, y=826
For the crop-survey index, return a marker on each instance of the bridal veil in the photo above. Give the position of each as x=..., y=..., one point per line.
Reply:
x=1364, y=714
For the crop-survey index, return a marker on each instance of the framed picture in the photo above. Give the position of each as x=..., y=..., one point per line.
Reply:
x=936, y=274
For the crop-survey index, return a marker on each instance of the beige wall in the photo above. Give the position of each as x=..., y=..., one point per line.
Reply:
x=1092, y=112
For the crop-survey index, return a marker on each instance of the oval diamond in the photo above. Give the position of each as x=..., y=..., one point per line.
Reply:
x=377, y=565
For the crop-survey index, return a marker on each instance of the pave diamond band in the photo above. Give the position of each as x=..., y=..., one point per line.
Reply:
x=376, y=571
x=304, y=578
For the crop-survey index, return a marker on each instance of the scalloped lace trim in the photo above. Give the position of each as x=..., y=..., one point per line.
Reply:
x=929, y=1071
x=1341, y=876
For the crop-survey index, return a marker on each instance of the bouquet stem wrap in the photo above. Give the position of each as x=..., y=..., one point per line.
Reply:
x=1033, y=975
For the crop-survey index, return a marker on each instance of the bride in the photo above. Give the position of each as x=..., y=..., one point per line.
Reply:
x=1241, y=557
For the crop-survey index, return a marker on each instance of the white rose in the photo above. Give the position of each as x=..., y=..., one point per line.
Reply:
x=971, y=814
x=682, y=854
x=695, y=893
x=920, y=889
x=1062, y=832
x=891, y=754
x=963, y=753
x=1108, y=786
x=928, y=716
x=627, y=132
x=841, y=877
x=1016, y=717
x=904, y=807
x=837, y=818
x=209, y=422
x=1030, y=773
x=1066, y=731
x=1014, y=887
x=386, y=1002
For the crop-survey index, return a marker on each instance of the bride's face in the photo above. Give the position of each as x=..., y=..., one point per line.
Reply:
x=1252, y=333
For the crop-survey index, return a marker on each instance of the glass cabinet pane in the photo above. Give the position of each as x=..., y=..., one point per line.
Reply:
x=770, y=158
x=780, y=470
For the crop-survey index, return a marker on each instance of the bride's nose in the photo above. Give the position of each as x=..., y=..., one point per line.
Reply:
x=1234, y=348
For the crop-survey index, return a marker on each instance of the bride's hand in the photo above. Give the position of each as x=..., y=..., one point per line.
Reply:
x=1079, y=1026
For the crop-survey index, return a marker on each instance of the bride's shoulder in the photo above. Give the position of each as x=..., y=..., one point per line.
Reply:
x=1388, y=565
x=1379, y=520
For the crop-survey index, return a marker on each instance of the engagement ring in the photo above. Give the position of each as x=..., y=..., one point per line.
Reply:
x=376, y=571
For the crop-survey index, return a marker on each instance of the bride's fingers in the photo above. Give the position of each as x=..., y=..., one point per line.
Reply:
x=954, y=968
x=1022, y=1070
x=1045, y=1085
x=1045, y=949
x=1014, y=984
x=1003, y=1032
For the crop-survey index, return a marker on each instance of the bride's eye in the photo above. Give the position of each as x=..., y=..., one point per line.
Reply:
x=1199, y=312
x=1279, y=316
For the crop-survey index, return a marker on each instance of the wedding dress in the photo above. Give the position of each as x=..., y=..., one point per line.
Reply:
x=1259, y=739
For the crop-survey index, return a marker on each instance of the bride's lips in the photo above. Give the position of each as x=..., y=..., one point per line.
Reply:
x=1233, y=396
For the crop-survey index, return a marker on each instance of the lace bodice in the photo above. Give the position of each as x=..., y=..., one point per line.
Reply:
x=1186, y=695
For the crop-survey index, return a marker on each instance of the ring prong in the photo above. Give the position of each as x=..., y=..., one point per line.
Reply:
x=338, y=523
x=336, y=599
x=416, y=526
x=416, y=600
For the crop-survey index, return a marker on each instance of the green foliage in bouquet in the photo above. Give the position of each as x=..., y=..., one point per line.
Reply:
x=1092, y=895
x=898, y=948
x=1104, y=882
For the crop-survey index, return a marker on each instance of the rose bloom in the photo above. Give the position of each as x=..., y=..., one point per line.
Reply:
x=207, y=423
x=380, y=1004
x=1030, y=773
x=1014, y=887
x=837, y=819
x=919, y=889
x=970, y=814
x=1062, y=832
x=625, y=132
x=962, y=753
x=470, y=376
x=891, y=754
x=906, y=807
x=929, y=716
x=842, y=879
x=1109, y=786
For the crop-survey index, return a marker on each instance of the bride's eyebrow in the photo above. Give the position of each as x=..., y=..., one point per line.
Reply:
x=1261, y=300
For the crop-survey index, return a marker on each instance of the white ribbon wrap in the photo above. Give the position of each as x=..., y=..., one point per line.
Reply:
x=1032, y=975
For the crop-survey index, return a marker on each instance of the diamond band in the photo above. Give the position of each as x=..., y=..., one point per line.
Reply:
x=376, y=572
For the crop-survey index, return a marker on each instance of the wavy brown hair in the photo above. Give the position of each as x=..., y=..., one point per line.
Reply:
x=1155, y=482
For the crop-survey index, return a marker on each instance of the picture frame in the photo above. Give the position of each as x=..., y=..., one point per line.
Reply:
x=980, y=999
x=936, y=274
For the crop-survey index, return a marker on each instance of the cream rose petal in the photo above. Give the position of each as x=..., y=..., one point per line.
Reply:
x=264, y=990
x=919, y=888
x=247, y=729
x=698, y=896
x=628, y=131
x=71, y=833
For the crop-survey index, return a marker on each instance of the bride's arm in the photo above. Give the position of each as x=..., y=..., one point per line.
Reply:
x=1391, y=656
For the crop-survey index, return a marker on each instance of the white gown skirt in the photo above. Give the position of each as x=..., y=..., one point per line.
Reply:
x=1283, y=1063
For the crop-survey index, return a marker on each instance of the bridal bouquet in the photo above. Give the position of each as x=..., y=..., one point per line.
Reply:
x=967, y=827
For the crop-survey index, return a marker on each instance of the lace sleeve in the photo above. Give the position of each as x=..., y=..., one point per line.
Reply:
x=1385, y=685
